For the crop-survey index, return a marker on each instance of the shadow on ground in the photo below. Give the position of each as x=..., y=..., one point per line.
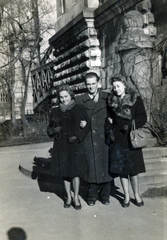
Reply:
x=155, y=192
x=16, y=233
x=48, y=183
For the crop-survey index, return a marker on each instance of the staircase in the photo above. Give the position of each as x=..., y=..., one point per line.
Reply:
x=155, y=159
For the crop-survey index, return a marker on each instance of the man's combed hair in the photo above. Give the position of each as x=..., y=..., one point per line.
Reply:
x=92, y=74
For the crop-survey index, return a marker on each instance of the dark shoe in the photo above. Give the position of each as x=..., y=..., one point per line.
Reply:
x=125, y=205
x=139, y=204
x=105, y=202
x=77, y=207
x=67, y=205
x=91, y=203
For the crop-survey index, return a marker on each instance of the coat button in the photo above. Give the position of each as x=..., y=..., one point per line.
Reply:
x=94, y=131
x=95, y=144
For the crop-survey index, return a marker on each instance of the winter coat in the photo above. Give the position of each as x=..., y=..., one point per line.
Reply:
x=96, y=149
x=123, y=158
x=68, y=159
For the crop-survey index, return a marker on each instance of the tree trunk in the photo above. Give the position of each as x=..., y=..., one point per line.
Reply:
x=25, y=76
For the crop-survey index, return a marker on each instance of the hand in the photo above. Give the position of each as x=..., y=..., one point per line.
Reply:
x=57, y=135
x=83, y=123
x=110, y=120
x=72, y=139
x=57, y=129
x=109, y=137
x=125, y=129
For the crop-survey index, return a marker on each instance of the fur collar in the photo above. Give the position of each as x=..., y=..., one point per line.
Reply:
x=122, y=107
x=64, y=108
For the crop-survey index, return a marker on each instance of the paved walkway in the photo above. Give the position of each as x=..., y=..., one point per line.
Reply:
x=41, y=214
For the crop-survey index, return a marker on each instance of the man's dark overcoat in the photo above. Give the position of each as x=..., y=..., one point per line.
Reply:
x=68, y=159
x=96, y=149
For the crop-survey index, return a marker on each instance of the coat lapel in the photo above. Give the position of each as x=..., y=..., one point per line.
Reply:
x=95, y=107
x=101, y=102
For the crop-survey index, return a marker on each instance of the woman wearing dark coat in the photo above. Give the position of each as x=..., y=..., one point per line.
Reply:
x=68, y=159
x=125, y=161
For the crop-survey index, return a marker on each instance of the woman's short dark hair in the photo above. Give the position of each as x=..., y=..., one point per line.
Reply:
x=65, y=87
x=119, y=78
x=129, y=86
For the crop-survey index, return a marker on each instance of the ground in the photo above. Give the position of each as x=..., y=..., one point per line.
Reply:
x=40, y=214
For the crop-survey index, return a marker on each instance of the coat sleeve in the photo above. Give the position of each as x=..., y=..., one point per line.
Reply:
x=140, y=113
x=81, y=133
x=54, y=122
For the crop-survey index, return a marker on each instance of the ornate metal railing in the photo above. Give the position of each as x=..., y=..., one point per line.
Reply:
x=42, y=82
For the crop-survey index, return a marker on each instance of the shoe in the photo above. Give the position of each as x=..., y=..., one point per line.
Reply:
x=105, y=202
x=91, y=203
x=139, y=204
x=77, y=207
x=67, y=205
x=125, y=205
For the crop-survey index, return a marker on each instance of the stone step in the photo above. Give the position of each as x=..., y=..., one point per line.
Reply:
x=154, y=177
x=154, y=152
x=156, y=164
x=150, y=181
x=151, y=142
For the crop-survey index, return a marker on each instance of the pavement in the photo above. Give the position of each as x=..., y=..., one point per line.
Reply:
x=28, y=211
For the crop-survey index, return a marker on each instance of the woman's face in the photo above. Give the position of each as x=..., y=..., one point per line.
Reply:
x=118, y=88
x=64, y=97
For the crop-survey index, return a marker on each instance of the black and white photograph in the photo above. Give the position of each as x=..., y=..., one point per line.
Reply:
x=83, y=119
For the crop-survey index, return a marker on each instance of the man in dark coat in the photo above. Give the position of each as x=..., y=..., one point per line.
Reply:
x=96, y=149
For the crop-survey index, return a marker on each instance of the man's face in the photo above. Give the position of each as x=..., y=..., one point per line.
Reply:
x=91, y=84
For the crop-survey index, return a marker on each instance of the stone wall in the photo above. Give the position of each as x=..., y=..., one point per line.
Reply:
x=134, y=44
x=76, y=50
x=116, y=37
x=72, y=9
x=127, y=41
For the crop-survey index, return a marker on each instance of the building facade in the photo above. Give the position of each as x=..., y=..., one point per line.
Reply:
x=126, y=37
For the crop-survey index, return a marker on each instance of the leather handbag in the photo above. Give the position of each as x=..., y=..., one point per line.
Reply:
x=137, y=137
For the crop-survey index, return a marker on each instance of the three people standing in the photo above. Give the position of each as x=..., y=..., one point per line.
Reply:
x=80, y=148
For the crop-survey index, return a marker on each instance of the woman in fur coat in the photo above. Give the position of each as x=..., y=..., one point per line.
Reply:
x=68, y=155
x=125, y=161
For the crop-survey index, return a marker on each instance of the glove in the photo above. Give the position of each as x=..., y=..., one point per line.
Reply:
x=57, y=135
x=72, y=139
x=109, y=137
x=109, y=133
x=57, y=129
x=50, y=132
x=125, y=129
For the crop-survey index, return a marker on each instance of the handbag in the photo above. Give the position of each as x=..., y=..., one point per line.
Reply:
x=137, y=137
